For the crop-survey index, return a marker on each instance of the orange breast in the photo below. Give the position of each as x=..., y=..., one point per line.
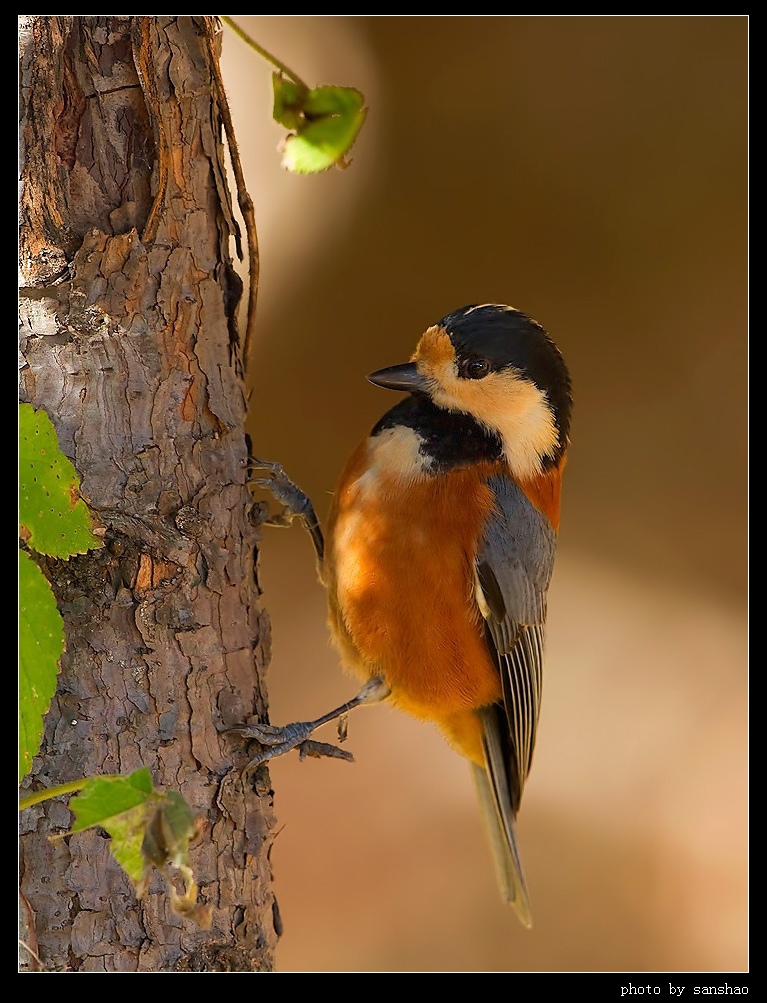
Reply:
x=400, y=577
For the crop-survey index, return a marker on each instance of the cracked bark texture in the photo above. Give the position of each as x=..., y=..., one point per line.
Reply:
x=129, y=342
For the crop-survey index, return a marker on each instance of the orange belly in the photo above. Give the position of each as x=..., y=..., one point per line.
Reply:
x=400, y=577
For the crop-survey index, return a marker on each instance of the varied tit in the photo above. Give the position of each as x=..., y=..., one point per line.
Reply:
x=439, y=551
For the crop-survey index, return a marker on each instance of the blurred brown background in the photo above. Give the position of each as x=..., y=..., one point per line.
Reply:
x=592, y=172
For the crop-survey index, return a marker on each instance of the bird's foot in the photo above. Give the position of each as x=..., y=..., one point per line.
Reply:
x=294, y=504
x=275, y=741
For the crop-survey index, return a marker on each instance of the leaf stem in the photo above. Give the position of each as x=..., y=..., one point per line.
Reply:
x=285, y=70
x=51, y=792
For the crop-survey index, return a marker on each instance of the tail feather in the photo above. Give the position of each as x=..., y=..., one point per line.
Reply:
x=492, y=786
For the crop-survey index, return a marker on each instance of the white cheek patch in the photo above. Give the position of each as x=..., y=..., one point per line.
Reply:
x=505, y=403
x=528, y=431
x=395, y=460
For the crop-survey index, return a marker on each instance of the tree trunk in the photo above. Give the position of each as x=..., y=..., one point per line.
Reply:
x=129, y=342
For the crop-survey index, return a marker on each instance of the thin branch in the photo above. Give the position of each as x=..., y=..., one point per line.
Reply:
x=244, y=200
x=285, y=70
x=51, y=792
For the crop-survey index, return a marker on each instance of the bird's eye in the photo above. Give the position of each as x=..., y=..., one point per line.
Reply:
x=474, y=369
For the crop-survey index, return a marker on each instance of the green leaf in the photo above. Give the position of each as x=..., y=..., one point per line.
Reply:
x=121, y=805
x=331, y=100
x=53, y=518
x=41, y=642
x=104, y=797
x=127, y=832
x=289, y=98
x=325, y=122
x=148, y=827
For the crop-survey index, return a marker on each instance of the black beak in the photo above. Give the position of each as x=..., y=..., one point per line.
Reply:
x=405, y=377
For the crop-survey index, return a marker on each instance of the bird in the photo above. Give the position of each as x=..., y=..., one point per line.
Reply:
x=438, y=553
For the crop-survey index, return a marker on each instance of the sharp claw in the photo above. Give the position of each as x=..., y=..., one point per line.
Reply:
x=274, y=472
x=307, y=747
x=323, y=749
x=266, y=465
x=264, y=756
x=295, y=504
x=286, y=738
x=276, y=741
x=283, y=490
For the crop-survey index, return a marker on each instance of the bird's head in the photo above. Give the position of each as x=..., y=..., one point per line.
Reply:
x=498, y=366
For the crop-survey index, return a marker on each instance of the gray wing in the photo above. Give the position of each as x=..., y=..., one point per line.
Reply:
x=513, y=571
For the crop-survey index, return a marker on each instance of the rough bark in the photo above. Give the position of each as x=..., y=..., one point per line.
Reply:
x=129, y=342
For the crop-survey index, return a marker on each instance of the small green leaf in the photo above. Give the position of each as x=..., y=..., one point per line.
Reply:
x=53, y=518
x=147, y=827
x=321, y=145
x=289, y=98
x=121, y=805
x=325, y=123
x=330, y=100
x=102, y=798
x=127, y=832
x=41, y=642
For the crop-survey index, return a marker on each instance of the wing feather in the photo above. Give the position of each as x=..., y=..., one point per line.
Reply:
x=514, y=568
x=513, y=571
